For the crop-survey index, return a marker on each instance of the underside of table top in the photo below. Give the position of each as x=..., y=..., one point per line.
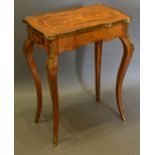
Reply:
x=54, y=24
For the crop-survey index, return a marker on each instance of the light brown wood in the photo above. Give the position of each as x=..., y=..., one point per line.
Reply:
x=68, y=30
x=52, y=64
x=53, y=25
x=28, y=51
x=76, y=40
x=127, y=54
x=98, y=56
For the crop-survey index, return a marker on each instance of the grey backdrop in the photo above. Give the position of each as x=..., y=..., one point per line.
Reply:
x=76, y=69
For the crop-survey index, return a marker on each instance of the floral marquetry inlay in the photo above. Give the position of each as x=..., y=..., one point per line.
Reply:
x=54, y=24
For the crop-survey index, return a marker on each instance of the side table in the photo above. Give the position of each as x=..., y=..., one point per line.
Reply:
x=57, y=32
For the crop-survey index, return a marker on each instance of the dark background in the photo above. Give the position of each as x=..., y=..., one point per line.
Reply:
x=80, y=121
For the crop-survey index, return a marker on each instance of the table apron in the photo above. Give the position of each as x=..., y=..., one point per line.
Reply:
x=74, y=41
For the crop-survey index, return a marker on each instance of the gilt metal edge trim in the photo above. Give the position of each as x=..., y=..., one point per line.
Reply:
x=46, y=37
x=87, y=29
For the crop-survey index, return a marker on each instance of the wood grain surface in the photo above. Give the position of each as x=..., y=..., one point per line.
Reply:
x=52, y=24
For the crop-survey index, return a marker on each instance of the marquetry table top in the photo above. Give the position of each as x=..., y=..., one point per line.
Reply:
x=54, y=24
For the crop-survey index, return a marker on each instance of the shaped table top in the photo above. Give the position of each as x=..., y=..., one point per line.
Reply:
x=54, y=24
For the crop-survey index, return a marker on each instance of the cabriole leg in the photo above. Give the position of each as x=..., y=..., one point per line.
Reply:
x=127, y=54
x=28, y=51
x=98, y=56
x=52, y=63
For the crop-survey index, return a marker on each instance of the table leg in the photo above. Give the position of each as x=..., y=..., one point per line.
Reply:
x=52, y=63
x=127, y=54
x=28, y=51
x=98, y=57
